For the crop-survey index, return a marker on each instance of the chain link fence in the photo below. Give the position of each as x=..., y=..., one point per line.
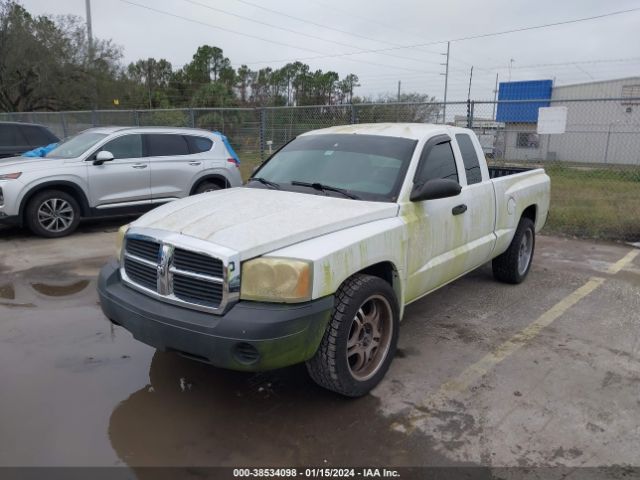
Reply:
x=594, y=164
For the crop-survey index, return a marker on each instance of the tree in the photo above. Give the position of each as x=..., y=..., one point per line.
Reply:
x=244, y=79
x=154, y=75
x=212, y=95
x=207, y=63
x=45, y=63
x=346, y=86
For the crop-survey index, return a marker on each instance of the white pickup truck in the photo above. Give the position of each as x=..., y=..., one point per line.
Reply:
x=315, y=259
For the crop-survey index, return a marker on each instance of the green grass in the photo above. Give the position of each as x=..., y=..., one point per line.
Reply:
x=248, y=162
x=598, y=203
x=585, y=202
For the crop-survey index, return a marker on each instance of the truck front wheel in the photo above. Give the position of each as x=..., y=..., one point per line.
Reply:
x=361, y=338
x=514, y=264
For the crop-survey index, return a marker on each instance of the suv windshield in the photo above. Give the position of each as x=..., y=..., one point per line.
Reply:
x=75, y=146
x=371, y=167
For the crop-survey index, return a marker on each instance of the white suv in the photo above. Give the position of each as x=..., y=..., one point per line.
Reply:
x=112, y=171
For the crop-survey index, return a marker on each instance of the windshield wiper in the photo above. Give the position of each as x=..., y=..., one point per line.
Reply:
x=266, y=182
x=322, y=187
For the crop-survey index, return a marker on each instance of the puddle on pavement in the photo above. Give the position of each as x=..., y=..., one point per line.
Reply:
x=195, y=414
x=51, y=290
x=7, y=292
x=22, y=293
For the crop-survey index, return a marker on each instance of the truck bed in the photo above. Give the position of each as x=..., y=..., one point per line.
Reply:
x=496, y=172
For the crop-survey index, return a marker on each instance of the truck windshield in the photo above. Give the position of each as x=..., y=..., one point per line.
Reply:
x=371, y=167
x=75, y=146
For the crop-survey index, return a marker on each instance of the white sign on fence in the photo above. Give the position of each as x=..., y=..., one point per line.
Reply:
x=552, y=120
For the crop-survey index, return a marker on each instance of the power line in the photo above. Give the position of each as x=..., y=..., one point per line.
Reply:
x=310, y=22
x=278, y=27
x=369, y=20
x=163, y=12
x=469, y=37
x=563, y=64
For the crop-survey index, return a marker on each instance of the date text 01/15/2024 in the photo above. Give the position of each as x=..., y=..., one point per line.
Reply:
x=316, y=473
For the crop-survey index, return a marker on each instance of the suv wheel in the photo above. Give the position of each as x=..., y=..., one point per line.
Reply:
x=52, y=213
x=361, y=338
x=206, y=187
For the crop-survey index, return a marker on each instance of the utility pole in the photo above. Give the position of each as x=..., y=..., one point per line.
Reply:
x=469, y=119
x=510, y=65
x=87, y=4
x=399, y=83
x=446, y=84
x=495, y=98
x=149, y=82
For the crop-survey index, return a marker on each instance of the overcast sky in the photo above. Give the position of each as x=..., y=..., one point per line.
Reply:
x=300, y=29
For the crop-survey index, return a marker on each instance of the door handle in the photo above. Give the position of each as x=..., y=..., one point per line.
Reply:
x=195, y=164
x=139, y=165
x=459, y=209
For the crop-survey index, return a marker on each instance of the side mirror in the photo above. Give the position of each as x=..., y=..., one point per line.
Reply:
x=103, y=156
x=434, y=189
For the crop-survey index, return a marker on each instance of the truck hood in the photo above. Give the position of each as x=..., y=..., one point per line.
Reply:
x=257, y=221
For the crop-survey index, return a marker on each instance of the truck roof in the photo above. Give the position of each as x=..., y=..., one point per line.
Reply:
x=415, y=131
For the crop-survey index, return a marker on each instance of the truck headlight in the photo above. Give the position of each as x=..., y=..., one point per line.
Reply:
x=276, y=280
x=122, y=231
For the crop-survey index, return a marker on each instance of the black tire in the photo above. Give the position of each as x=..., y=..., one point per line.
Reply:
x=331, y=367
x=68, y=217
x=508, y=267
x=206, y=187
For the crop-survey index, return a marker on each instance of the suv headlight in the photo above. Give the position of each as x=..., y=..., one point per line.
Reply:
x=283, y=280
x=122, y=231
x=10, y=176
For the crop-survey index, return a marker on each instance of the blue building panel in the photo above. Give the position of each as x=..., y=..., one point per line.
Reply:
x=526, y=112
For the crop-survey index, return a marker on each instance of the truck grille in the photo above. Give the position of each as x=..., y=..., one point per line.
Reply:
x=197, y=291
x=144, y=249
x=142, y=274
x=197, y=262
x=178, y=275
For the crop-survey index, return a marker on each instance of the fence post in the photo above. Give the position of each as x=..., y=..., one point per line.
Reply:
x=192, y=116
x=94, y=118
x=353, y=114
x=263, y=125
x=63, y=121
x=136, y=117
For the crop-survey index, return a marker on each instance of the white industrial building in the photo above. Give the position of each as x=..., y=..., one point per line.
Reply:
x=597, y=131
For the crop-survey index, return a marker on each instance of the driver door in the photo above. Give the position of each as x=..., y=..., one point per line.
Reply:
x=437, y=228
x=124, y=181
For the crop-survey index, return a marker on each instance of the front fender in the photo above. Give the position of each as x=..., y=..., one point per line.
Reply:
x=339, y=255
x=77, y=183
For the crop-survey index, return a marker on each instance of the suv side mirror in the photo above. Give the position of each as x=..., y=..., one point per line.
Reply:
x=103, y=156
x=434, y=189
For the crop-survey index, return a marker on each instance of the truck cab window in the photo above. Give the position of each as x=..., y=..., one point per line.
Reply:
x=437, y=162
x=470, y=158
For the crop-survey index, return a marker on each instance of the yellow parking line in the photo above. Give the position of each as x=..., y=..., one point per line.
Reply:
x=437, y=400
x=623, y=262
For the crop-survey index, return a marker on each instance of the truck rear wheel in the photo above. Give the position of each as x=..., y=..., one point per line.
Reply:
x=514, y=264
x=361, y=338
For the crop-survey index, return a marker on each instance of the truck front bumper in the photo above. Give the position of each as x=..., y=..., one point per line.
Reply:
x=251, y=336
